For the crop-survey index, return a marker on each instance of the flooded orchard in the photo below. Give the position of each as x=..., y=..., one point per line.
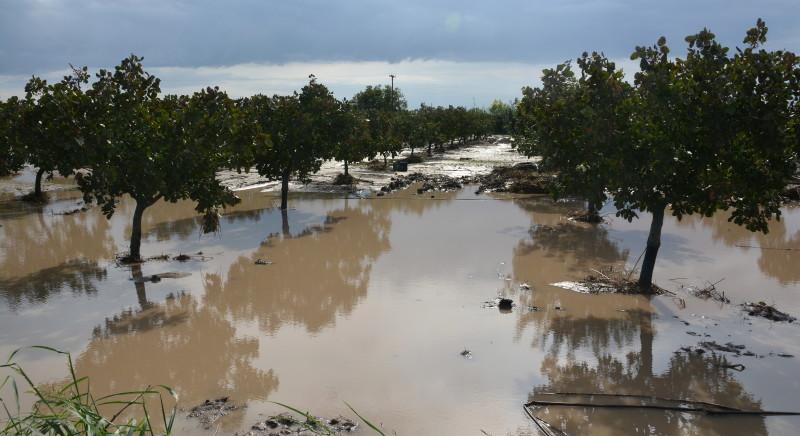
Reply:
x=387, y=303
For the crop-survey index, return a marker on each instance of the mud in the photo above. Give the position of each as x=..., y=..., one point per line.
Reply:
x=522, y=178
x=286, y=424
x=212, y=410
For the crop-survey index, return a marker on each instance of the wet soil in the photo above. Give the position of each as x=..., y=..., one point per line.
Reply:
x=373, y=301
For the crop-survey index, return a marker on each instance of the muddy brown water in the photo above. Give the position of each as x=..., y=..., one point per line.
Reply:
x=372, y=301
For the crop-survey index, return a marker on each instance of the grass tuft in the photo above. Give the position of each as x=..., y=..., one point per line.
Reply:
x=73, y=410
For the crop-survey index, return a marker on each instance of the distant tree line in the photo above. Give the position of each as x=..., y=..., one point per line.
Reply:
x=714, y=130
x=121, y=136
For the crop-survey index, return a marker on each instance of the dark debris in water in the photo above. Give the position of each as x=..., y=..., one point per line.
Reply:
x=285, y=424
x=727, y=347
x=764, y=310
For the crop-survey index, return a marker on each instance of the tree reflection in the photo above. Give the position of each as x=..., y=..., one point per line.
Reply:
x=77, y=276
x=778, y=248
x=35, y=242
x=318, y=274
x=690, y=376
x=604, y=343
x=180, y=343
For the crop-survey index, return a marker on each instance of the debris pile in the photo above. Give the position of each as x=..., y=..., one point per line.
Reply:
x=585, y=216
x=429, y=183
x=286, y=424
x=212, y=410
x=522, y=178
x=601, y=283
x=709, y=292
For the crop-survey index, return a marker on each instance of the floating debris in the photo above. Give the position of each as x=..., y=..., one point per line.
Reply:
x=212, y=410
x=155, y=278
x=505, y=304
x=727, y=347
x=710, y=292
x=610, y=282
x=263, y=262
x=524, y=287
x=182, y=257
x=764, y=310
x=466, y=354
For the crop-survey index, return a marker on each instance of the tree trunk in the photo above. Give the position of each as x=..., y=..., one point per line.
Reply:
x=37, y=187
x=644, y=375
x=385, y=160
x=653, y=244
x=346, y=168
x=412, y=151
x=136, y=231
x=285, y=223
x=285, y=189
x=138, y=282
x=430, y=149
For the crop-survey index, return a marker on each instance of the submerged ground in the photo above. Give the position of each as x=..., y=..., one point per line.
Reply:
x=373, y=300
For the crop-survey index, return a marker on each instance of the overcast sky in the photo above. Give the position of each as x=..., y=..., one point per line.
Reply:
x=443, y=52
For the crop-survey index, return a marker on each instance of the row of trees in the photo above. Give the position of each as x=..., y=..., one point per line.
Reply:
x=120, y=136
x=712, y=131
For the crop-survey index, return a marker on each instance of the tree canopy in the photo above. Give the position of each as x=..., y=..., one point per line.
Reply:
x=697, y=134
x=154, y=148
x=303, y=130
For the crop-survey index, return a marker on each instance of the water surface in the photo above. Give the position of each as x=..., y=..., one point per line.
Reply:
x=371, y=301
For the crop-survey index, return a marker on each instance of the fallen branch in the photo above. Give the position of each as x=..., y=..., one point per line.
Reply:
x=767, y=248
x=651, y=403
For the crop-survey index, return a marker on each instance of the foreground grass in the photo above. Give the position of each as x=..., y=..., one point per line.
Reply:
x=73, y=410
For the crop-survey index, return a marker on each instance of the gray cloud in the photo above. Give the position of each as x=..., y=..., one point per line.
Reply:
x=447, y=51
x=42, y=35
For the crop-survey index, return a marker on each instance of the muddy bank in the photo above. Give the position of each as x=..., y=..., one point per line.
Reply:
x=471, y=160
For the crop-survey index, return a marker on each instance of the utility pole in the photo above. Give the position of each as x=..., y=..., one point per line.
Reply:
x=391, y=95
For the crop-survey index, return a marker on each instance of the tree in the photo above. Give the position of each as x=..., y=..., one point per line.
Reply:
x=575, y=123
x=503, y=117
x=697, y=135
x=152, y=148
x=302, y=128
x=412, y=127
x=48, y=129
x=382, y=104
x=355, y=142
x=11, y=159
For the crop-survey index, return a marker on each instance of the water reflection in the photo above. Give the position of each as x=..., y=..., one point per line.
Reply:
x=315, y=275
x=32, y=243
x=689, y=376
x=604, y=344
x=778, y=248
x=180, y=343
x=78, y=276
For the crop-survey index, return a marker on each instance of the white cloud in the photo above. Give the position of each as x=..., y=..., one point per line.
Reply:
x=436, y=82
